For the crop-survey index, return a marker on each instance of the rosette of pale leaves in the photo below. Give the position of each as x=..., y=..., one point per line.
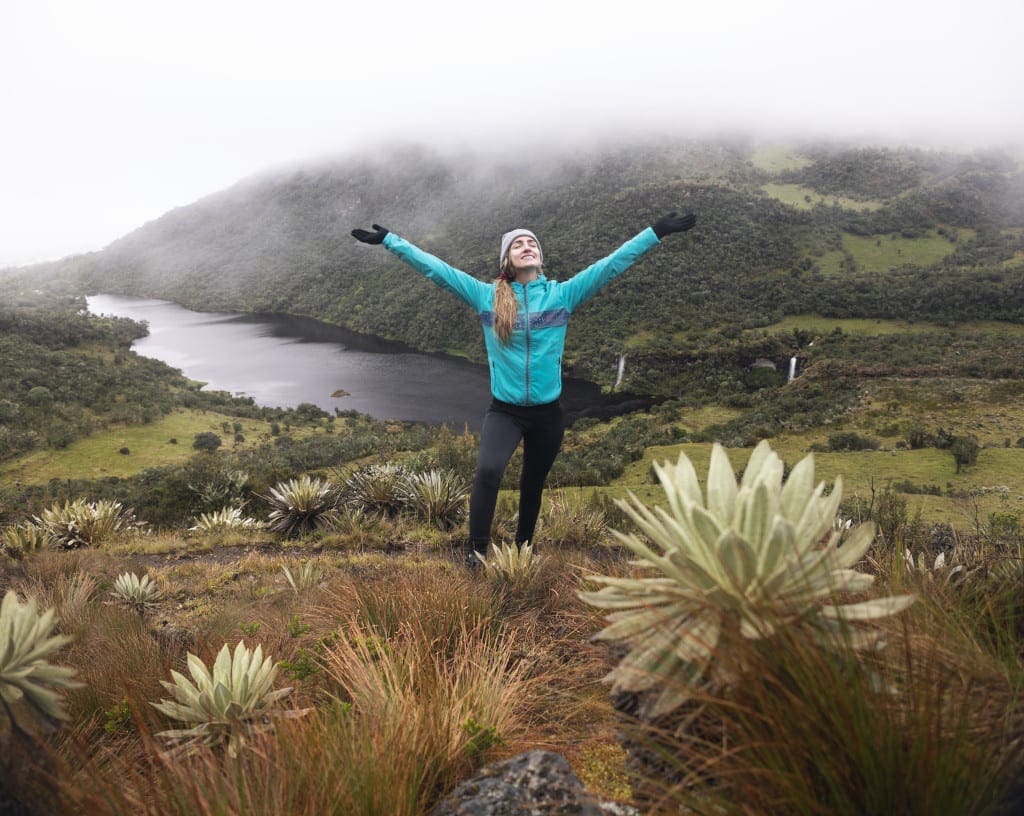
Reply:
x=510, y=562
x=80, y=523
x=139, y=593
x=231, y=702
x=378, y=489
x=227, y=518
x=738, y=563
x=19, y=540
x=438, y=497
x=27, y=678
x=300, y=506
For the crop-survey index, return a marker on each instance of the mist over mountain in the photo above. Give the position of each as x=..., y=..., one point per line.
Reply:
x=773, y=238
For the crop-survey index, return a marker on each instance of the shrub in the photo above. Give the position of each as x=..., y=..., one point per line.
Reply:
x=206, y=441
x=850, y=441
x=215, y=485
x=965, y=451
x=39, y=396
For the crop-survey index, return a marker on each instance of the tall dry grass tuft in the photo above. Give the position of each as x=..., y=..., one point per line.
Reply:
x=121, y=663
x=336, y=760
x=442, y=702
x=920, y=727
x=441, y=598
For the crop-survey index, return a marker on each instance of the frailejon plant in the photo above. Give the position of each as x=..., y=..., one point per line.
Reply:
x=227, y=518
x=300, y=506
x=437, y=497
x=377, y=489
x=748, y=558
x=19, y=540
x=138, y=593
x=511, y=562
x=938, y=570
x=84, y=524
x=307, y=576
x=230, y=703
x=28, y=681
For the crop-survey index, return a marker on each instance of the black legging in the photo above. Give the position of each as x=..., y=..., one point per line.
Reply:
x=540, y=427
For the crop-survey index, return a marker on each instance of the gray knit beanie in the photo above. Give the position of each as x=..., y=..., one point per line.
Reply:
x=509, y=237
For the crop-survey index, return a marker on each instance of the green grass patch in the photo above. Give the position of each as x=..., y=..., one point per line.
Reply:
x=148, y=446
x=806, y=198
x=876, y=253
x=870, y=326
x=639, y=340
x=696, y=419
x=1015, y=261
x=880, y=253
x=775, y=158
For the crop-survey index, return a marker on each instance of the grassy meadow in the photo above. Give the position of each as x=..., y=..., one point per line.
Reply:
x=167, y=440
x=774, y=158
x=879, y=254
x=807, y=198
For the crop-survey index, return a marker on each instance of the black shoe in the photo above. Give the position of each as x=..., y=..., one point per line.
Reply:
x=473, y=559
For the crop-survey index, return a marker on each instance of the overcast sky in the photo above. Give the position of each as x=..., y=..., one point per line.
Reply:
x=115, y=111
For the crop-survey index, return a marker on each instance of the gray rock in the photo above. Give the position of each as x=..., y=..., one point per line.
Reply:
x=537, y=783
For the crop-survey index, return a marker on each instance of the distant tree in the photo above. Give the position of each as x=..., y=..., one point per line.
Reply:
x=917, y=437
x=965, y=451
x=206, y=441
x=39, y=396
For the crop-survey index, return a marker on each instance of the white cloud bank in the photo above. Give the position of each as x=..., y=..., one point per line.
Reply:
x=114, y=111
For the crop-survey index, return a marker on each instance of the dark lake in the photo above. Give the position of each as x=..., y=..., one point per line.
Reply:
x=284, y=361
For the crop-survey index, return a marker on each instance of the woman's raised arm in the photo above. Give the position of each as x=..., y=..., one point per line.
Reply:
x=474, y=292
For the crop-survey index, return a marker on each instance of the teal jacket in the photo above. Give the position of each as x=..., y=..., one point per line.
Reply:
x=527, y=370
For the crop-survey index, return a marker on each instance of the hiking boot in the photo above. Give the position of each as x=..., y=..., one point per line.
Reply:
x=473, y=559
x=468, y=555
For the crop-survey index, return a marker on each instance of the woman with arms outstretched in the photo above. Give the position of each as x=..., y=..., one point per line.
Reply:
x=524, y=318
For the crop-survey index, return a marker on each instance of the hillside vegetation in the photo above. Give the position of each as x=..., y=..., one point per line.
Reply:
x=941, y=243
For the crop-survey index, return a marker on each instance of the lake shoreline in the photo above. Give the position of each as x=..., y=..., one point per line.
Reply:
x=282, y=360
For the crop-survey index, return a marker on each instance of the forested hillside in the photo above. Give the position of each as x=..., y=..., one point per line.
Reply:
x=870, y=232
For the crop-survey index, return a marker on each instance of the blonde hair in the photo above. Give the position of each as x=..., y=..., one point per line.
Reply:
x=506, y=307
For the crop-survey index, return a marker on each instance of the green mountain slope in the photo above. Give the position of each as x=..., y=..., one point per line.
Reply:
x=280, y=243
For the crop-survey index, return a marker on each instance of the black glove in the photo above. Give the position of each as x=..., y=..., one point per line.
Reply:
x=368, y=237
x=673, y=222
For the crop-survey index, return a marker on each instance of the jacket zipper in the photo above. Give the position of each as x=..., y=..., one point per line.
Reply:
x=526, y=308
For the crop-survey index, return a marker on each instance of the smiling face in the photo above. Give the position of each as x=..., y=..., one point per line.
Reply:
x=524, y=253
